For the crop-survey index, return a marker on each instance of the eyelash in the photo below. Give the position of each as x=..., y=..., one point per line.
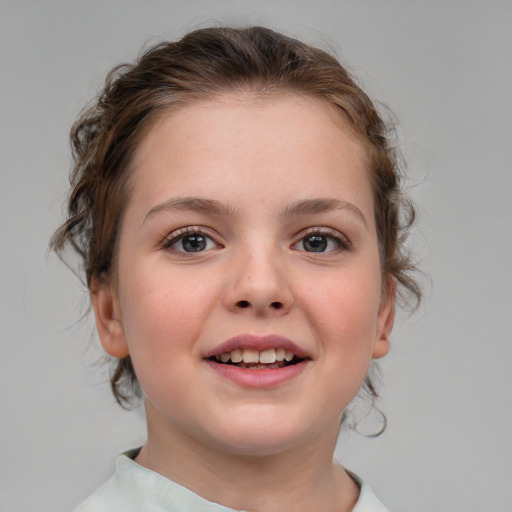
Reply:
x=341, y=241
x=174, y=237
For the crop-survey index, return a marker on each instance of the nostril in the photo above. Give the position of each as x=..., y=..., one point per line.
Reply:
x=244, y=304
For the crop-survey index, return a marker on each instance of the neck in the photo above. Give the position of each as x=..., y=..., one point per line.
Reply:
x=302, y=478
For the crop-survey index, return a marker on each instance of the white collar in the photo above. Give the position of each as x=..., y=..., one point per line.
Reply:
x=134, y=488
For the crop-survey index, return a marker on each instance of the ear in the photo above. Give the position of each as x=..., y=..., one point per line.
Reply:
x=385, y=320
x=108, y=317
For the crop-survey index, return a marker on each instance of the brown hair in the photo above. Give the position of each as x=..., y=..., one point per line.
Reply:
x=203, y=63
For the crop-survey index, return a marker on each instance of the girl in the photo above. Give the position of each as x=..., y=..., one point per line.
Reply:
x=237, y=208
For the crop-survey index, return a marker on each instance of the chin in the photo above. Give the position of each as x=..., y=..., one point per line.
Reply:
x=258, y=438
x=257, y=448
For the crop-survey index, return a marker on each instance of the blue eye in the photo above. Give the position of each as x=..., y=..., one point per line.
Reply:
x=190, y=241
x=321, y=242
x=315, y=243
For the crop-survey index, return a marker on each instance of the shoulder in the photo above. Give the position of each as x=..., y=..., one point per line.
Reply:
x=134, y=488
x=110, y=497
x=115, y=495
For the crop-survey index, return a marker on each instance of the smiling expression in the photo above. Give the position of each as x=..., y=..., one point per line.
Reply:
x=248, y=281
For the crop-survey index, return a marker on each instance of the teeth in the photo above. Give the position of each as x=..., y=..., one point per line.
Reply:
x=237, y=356
x=251, y=356
x=280, y=353
x=268, y=356
x=248, y=355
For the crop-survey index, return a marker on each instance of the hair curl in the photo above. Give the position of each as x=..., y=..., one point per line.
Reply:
x=203, y=63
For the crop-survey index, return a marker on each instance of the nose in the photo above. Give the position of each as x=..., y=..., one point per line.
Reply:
x=258, y=285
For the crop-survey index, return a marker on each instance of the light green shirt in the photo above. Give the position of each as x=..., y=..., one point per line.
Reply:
x=134, y=488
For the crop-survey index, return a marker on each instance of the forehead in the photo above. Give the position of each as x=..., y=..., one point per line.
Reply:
x=217, y=146
x=249, y=111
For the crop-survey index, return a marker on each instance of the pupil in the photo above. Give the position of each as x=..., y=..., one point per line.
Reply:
x=315, y=243
x=194, y=243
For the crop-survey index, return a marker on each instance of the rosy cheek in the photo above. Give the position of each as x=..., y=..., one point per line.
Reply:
x=169, y=305
x=349, y=305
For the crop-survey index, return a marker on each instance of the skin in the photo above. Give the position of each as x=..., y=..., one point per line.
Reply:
x=248, y=448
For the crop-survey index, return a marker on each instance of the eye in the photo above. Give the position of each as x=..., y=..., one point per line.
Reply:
x=321, y=241
x=189, y=240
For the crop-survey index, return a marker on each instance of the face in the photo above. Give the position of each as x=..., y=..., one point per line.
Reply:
x=248, y=286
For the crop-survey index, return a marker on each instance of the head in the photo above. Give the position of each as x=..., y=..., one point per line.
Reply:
x=205, y=65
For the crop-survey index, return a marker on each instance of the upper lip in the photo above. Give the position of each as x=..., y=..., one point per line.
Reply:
x=257, y=342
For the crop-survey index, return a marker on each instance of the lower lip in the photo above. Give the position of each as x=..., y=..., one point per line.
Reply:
x=258, y=378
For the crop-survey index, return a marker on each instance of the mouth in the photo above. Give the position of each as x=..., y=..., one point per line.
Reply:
x=258, y=362
x=256, y=352
x=252, y=359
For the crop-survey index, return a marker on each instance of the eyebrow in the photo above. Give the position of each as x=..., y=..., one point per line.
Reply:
x=214, y=207
x=207, y=206
x=321, y=205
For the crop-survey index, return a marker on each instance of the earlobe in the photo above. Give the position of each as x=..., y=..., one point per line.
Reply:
x=108, y=318
x=385, y=321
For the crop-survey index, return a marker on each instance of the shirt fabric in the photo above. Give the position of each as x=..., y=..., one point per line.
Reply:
x=134, y=488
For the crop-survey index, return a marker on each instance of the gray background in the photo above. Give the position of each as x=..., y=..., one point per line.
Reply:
x=445, y=68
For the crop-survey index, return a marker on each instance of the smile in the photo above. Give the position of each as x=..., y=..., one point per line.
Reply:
x=254, y=359
x=258, y=361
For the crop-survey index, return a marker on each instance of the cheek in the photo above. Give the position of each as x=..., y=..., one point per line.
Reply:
x=344, y=308
x=163, y=316
x=350, y=293
x=164, y=312
x=348, y=312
